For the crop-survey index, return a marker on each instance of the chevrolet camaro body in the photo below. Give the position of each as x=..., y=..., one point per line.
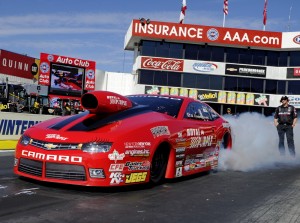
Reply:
x=124, y=140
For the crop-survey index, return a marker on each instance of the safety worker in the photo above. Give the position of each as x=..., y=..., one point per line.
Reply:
x=285, y=119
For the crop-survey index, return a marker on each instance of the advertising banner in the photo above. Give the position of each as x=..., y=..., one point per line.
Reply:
x=204, y=34
x=165, y=64
x=293, y=72
x=18, y=65
x=249, y=71
x=69, y=72
x=223, y=97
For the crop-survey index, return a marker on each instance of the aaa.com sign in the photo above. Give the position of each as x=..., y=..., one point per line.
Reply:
x=165, y=64
x=206, y=34
x=46, y=60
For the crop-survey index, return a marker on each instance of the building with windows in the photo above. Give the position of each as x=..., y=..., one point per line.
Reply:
x=245, y=70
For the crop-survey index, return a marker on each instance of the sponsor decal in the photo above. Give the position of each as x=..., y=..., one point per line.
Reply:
x=205, y=67
x=180, y=150
x=203, y=141
x=56, y=136
x=180, y=156
x=179, y=163
x=296, y=39
x=136, y=166
x=160, y=131
x=178, y=172
x=194, y=132
x=114, y=100
x=212, y=34
x=162, y=64
x=116, y=167
x=115, y=156
x=136, y=177
x=116, y=177
x=138, y=152
x=15, y=127
x=137, y=145
x=51, y=157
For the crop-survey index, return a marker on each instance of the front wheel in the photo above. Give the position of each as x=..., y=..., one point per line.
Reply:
x=159, y=165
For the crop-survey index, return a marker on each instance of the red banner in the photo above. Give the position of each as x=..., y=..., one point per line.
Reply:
x=18, y=65
x=206, y=34
x=48, y=59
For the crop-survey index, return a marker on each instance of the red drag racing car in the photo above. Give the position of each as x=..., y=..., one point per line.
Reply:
x=123, y=140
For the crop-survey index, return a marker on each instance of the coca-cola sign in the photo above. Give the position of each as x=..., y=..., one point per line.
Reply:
x=157, y=63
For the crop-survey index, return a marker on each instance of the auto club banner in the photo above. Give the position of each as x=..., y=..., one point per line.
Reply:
x=224, y=97
x=46, y=61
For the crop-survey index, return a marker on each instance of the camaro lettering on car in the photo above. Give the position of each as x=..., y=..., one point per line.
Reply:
x=51, y=157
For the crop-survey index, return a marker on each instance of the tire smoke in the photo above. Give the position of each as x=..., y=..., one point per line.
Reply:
x=255, y=145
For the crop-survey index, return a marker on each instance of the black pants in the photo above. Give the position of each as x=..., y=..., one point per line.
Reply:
x=288, y=130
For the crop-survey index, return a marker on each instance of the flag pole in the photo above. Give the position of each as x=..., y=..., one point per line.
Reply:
x=224, y=20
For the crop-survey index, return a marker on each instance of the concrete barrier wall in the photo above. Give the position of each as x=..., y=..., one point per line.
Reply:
x=13, y=125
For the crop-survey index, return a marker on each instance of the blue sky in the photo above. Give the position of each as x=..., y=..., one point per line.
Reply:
x=95, y=29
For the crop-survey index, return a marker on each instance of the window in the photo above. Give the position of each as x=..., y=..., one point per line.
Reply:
x=196, y=110
x=245, y=56
x=232, y=55
x=202, y=81
x=271, y=87
x=294, y=59
x=281, y=87
x=176, y=50
x=148, y=48
x=230, y=84
x=272, y=58
x=293, y=87
x=217, y=54
x=258, y=57
x=189, y=80
x=160, y=78
x=243, y=84
x=146, y=77
x=283, y=58
x=191, y=52
x=204, y=52
x=162, y=49
x=215, y=82
x=257, y=85
x=174, y=79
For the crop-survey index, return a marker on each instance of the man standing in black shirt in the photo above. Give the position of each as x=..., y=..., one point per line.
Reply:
x=285, y=119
